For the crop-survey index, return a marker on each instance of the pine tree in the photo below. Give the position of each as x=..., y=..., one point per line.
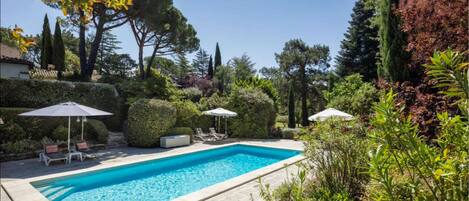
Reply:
x=46, y=44
x=359, y=49
x=200, y=62
x=59, y=51
x=217, y=58
x=291, y=106
x=183, y=64
x=210, y=68
x=109, y=45
x=393, y=57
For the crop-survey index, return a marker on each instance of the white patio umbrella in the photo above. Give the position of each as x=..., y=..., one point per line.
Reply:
x=220, y=112
x=68, y=109
x=328, y=113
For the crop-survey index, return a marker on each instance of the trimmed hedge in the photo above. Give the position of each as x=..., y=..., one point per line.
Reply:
x=256, y=113
x=148, y=120
x=187, y=114
x=42, y=93
x=36, y=128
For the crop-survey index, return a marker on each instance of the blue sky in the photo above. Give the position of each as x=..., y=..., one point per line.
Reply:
x=258, y=28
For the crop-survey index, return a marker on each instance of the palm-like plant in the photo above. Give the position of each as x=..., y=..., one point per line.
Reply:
x=450, y=70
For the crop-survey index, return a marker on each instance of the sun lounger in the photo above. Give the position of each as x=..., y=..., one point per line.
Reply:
x=217, y=136
x=52, y=153
x=85, y=150
x=200, y=135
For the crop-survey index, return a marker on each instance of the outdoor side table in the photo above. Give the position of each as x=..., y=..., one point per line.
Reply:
x=77, y=154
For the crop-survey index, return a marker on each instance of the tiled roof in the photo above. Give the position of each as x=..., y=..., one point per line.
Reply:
x=8, y=51
x=11, y=60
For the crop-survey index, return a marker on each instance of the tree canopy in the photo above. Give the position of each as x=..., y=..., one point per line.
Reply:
x=359, y=48
x=297, y=60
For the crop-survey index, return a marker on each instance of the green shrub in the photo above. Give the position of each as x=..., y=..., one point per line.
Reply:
x=40, y=93
x=352, y=95
x=187, y=113
x=10, y=132
x=99, y=130
x=21, y=146
x=60, y=133
x=193, y=94
x=256, y=113
x=148, y=120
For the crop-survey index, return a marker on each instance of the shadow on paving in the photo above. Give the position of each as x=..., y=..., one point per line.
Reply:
x=28, y=168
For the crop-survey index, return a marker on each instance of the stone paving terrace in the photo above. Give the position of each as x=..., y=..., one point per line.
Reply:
x=30, y=168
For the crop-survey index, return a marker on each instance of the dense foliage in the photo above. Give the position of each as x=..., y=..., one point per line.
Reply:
x=433, y=26
x=256, y=113
x=352, y=95
x=36, y=94
x=148, y=120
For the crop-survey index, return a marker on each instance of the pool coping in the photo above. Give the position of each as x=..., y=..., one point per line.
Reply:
x=23, y=190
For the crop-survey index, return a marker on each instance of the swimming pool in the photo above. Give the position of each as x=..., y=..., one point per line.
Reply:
x=163, y=179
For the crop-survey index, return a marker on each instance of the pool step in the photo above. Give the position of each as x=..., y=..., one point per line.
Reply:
x=116, y=139
x=54, y=192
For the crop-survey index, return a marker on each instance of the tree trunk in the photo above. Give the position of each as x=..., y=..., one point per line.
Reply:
x=95, y=47
x=291, y=106
x=153, y=55
x=140, y=61
x=304, y=89
x=82, y=47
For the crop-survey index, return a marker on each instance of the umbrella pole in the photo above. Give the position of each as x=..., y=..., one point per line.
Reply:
x=226, y=126
x=219, y=119
x=68, y=142
x=82, y=125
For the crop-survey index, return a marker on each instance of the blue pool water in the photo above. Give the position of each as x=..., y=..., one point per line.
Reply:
x=163, y=179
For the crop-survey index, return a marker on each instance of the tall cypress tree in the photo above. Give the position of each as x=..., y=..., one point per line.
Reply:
x=393, y=57
x=59, y=51
x=218, y=63
x=359, y=49
x=46, y=44
x=217, y=57
x=210, y=68
x=291, y=106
